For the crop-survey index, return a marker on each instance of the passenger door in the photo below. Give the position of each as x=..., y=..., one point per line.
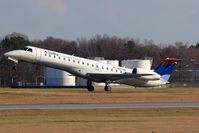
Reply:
x=38, y=54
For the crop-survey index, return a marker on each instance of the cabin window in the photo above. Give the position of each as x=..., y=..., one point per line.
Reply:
x=97, y=66
x=64, y=58
x=59, y=57
x=87, y=64
x=102, y=67
x=82, y=63
x=69, y=60
x=111, y=69
x=74, y=61
x=49, y=55
x=54, y=56
x=107, y=68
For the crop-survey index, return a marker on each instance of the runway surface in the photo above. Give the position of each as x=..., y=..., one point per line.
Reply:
x=98, y=106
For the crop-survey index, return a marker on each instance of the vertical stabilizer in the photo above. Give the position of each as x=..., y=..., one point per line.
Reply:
x=166, y=68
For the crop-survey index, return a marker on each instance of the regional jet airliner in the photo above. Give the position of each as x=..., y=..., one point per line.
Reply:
x=95, y=71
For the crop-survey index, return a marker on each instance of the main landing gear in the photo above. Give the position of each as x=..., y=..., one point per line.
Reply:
x=90, y=87
x=107, y=87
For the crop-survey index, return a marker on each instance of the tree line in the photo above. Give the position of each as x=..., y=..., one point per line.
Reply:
x=109, y=47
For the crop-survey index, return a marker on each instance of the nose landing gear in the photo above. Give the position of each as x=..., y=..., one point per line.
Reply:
x=14, y=67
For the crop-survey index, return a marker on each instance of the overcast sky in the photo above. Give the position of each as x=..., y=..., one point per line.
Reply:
x=163, y=21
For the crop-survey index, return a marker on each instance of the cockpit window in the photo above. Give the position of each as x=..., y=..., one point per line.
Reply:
x=27, y=49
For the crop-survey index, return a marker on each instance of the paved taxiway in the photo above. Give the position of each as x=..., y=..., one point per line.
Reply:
x=98, y=106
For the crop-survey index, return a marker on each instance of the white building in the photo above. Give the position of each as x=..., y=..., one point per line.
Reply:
x=55, y=77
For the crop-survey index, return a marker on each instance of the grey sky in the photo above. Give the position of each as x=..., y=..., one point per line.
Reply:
x=163, y=21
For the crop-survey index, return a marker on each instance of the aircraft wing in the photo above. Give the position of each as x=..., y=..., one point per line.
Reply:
x=114, y=77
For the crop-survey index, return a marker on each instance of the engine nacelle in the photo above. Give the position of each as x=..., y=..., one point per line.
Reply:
x=153, y=76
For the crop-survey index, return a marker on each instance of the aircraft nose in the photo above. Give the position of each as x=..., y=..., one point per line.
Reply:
x=9, y=54
x=13, y=54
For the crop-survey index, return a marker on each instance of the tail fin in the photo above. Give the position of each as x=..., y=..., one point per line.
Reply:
x=166, y=68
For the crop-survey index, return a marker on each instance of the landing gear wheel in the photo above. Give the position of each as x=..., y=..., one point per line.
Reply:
x=107, y=88
x=90, y=88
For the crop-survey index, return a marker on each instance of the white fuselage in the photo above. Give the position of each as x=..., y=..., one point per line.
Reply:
x=81, y=66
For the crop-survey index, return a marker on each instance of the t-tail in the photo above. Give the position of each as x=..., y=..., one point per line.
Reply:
x=166, y=68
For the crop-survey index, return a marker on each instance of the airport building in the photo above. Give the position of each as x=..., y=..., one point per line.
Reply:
x=55, y=77
x=134, y=63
